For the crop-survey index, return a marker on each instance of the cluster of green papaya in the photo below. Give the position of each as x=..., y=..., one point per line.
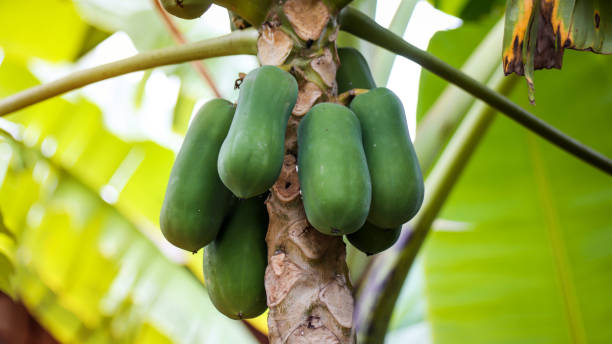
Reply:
x=358, y=170
x=215, y=196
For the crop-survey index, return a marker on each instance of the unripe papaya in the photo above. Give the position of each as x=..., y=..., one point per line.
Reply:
x=196, y=201
x=371, y=239
x=397, y=182
x=354, y=71
x=186, y=9
x=252, y=154
x=333, y=171
x=235, y=262
x=237, y=22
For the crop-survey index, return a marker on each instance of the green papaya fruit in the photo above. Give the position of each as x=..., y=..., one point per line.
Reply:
x=333, y=171
x=196, y=201
x=186, y=9
x=235, y=262
x=252, y=154
x=353, y=71
x=253, y=11
x=397, y=182
x=371, y=239
x=237, y=22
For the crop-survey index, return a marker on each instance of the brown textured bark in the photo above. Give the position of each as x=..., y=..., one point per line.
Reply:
x=307, y=281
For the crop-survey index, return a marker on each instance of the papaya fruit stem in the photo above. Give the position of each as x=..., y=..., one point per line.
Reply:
x=345, y=98
x=236, y=43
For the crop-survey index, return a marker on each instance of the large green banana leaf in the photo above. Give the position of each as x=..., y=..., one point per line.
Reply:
x=523, y=255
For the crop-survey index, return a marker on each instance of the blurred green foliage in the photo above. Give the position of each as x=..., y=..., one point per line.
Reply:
x=470, y=10
x=522, y=255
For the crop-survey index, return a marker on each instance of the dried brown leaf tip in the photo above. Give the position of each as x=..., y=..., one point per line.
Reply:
x=307, y=17
x=537, y=32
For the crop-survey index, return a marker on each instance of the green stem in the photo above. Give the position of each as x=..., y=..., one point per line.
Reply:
x=386, y=276
x=362, y=26
x=235, y=43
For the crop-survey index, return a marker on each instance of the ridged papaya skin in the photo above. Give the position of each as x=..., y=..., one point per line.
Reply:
x=252, y=154
x=196, y=201
x=186, y=9
x=354, y=71
x=333, y=171
x=371, y=239
x=397, y=182
x=235, y=262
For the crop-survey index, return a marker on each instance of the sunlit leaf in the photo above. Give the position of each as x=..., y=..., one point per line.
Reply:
x=86, y=267
x=49, y=29
x=55, y=207
x=93, y=36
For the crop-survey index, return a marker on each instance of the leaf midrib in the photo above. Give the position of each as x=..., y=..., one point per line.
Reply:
x=557, y=244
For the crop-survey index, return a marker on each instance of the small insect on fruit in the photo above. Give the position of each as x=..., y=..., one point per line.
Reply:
x=252, y=154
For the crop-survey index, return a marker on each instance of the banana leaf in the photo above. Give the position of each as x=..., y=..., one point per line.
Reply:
x=538, y=32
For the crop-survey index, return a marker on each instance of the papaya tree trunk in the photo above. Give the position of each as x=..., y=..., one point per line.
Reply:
x=307, y=281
